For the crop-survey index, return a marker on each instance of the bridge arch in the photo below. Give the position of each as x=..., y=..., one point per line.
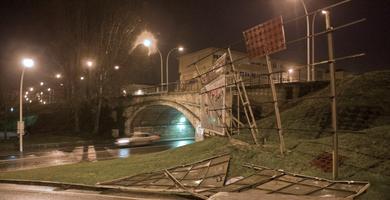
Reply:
x=135, y=110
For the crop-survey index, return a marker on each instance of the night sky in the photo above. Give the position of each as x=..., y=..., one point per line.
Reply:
x=198, y=24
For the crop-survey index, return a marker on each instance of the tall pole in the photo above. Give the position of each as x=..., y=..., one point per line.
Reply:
x=21, y=122
x=332, y=95
x=307, y=39
x=162, y=70
x=167, y=64
x=313, y=71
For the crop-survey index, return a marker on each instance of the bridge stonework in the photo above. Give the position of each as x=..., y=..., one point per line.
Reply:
x=187, y=103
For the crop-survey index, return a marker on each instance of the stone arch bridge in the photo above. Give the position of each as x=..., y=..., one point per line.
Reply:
x=162, y=108
x=159, y=107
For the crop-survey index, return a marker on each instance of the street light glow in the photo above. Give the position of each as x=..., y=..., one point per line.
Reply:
x=180, y=49
x=82, y=78
x=290, y=71
x=28, y=62
x=147, y=43
x=116, y=67
x=31, y=89
x=324, y=12
x=48, y=89
x=41, y=83
x=58, y=75
x=148, y=40
x=89, y=63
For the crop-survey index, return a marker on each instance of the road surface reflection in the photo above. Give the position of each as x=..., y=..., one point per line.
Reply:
x=89, y=153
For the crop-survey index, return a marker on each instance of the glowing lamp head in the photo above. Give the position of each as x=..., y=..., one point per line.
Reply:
x=116, y=67
x=58, y=75
x=82, y=78
x=41, y=83
x=180, y=49
x=31, y=89
x=324, y=12
x=147, y=43
x=89, y=63
x=290, y=71
x=28, y=62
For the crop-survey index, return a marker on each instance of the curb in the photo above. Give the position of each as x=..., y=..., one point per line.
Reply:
x=53, y=184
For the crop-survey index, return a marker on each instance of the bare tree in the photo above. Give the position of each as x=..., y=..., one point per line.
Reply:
x=99, y=29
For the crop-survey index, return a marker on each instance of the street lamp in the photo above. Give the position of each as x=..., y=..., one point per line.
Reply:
x=58, y=76
x=89, y=63
x=116, y=67
x=27, y=63
x=82, y=78
x=307, y=38
x=41, y=83
x=180, y=49
x=148, y=43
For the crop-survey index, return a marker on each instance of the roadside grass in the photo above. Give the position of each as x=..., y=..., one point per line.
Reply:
x=366, y=158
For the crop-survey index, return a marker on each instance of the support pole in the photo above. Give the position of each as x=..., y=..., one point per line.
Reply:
x=335, y=164
x=238, y=113
x=276, y=107
x=21, y=122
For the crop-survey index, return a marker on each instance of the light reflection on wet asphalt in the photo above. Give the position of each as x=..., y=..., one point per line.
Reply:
x=87, y=153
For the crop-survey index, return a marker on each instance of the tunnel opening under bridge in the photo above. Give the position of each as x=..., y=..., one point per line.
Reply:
x=167, y=121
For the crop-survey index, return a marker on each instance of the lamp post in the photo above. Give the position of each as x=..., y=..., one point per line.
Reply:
x=27, y=63
x=180, y=49
x=148, y=43
x=307, y=38
x=89, y=64
x=313, y=71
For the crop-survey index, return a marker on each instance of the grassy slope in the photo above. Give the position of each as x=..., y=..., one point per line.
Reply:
x=366, y=155
x=367, y=94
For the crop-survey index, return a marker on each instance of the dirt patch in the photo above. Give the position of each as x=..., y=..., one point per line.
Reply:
x=324, y=161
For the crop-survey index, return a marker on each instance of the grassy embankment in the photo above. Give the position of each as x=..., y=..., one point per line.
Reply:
x=366, y=154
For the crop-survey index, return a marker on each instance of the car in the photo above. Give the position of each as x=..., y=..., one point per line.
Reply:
x=138, y=138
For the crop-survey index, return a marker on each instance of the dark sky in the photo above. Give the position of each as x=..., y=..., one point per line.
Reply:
x=198, y=24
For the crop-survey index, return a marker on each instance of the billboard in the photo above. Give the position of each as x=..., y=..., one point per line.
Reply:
x=265, y=38
x=213, y=101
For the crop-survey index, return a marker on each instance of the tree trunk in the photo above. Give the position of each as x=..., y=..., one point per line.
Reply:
x=99, y=106
x=75, y=107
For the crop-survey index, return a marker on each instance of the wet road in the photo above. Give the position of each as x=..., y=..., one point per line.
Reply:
x=89, y=153
x=31, y=192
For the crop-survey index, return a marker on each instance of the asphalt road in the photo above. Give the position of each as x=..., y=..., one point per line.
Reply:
x=90, y=153
x=32, y=192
